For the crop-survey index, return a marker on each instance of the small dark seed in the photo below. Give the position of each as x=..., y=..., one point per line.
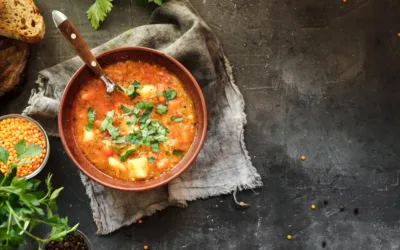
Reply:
x=324, y=244
x=325, y=202
x=356, y=211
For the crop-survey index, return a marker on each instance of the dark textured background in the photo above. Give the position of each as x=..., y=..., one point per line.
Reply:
x=320, y=79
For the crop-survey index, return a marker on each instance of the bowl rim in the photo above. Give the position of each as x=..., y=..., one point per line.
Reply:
x=46, y=157
x=104, y=182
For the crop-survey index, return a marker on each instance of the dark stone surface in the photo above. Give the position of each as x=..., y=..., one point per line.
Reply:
x=320, y=79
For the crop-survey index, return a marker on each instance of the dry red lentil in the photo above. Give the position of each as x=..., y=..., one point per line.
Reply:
x=12, y=130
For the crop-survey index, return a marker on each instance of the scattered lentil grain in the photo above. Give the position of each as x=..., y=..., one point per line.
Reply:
x=289, y=237
x=313, y=207
x=303, y=158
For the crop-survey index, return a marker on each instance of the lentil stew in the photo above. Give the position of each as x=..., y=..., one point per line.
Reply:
x=142, y=129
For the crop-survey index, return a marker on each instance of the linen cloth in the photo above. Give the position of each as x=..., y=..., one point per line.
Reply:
x=223, y=164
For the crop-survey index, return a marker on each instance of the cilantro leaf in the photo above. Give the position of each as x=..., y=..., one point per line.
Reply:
x=120, y=140
x=131, y=90
x=20, y=147
x=125, y=155
x=30, y=151
x=176, y=119
x=161, y=109
x=154, y=146
x=98, y=12
x=107, y=121
x=143, y=105
x=150, y=159
x=169, y=95
x=113, y=131
x=167, y=153
x=3, y=155
x=90, y=113
x=148, y=108
x=132, y=120
x=177, y=152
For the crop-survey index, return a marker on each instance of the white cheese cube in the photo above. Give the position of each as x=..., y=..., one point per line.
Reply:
x=88, y=135
x=139, y=167
x=147, y=91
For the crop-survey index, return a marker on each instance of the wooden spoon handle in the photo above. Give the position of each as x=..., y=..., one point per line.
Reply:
x=72, y=35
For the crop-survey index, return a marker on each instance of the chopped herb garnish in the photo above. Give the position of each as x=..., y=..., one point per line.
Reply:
x=169, y=95
x=177, y=152
x=154, y=146
x=120, y=140
x=115, y=147
x=167, y=153
x=132, y=120
x=147, y=110
x=125, y=155
x=107, y=125
x=176, y=119
x=107, y=121
x=161, y=109
x=150, y=159
x=90, y=113
x=131, y=90
x=108, y=95
x=143, y=105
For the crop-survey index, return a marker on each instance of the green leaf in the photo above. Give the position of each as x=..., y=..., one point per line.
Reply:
x=132, y=120
x=150, y=159
x=55, y=193
x=176, y=119
x=126, y=110
x=20, y=147
x=113, y=131
x=144, y=105
x=107, y=121
x=90, y=113
x=169, y=95
x=98, y=12
x=161, y=109
x=120, y=140
x=131, y=90
x=167, y=153
x=159, y=2
x=31, y=150
x=177, y=152
x=115, y=147
x=155, y=147
x=3, y=155
x=125, y=155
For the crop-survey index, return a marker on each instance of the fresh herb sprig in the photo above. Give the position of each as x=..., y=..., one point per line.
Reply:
x=131, y=90
x=21, y=205
x=100, y=8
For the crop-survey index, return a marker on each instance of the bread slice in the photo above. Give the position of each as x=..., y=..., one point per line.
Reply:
x=13, y=60
x=20, y=19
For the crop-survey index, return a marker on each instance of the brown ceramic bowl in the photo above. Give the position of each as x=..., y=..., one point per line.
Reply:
x=111, y=57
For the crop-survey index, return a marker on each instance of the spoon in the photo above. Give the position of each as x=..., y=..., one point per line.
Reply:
x=72, y=35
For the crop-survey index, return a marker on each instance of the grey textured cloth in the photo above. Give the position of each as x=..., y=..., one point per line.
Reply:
x=223, y=164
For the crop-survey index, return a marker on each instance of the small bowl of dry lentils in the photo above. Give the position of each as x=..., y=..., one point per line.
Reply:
x=13, y=129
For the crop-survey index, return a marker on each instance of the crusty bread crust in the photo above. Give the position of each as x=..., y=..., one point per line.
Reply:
x=20, y=19
x=13, y=59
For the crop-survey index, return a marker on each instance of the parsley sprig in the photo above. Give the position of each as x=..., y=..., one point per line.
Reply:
x=131, y=90
x=100, y=8
x=21, y=205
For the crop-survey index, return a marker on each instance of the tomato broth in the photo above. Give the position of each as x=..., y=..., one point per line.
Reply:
x=139, y=131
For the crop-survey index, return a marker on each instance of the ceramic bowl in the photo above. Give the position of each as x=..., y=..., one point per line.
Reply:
x=46, y=157
x=110, y=57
